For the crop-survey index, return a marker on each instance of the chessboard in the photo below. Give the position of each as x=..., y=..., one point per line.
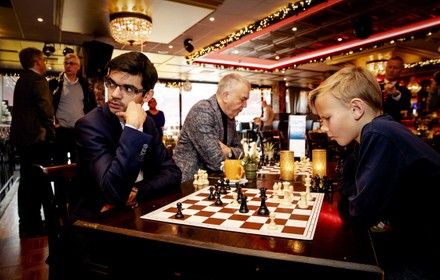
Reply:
x=269, y=170
x=276, y=170
x=291, y=221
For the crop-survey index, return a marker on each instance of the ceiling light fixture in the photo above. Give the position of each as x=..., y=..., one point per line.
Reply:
x=67, y=50
x=188, y=46
x=377, y=67
x=48, y=49
x=130, y=27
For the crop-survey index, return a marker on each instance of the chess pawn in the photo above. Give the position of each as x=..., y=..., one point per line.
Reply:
x=286, y=200
x=275, y=197
x=272, y=225
x=195, y=183
x=303, y=200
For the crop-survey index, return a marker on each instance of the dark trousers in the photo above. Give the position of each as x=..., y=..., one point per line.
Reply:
x=29, y=195
x=64, y=144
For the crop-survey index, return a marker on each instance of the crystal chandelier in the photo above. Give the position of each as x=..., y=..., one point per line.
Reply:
x=377, y=67
x=130, y=27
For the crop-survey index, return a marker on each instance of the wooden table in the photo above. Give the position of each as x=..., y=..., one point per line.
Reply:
x=123, y=245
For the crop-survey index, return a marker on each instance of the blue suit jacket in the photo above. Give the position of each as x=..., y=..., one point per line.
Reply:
x=110, y=158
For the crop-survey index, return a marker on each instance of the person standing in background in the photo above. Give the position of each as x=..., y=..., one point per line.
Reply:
x=433, y=101
x=157, y=115
x=72, y=99
x=268, y=116
x=32, y=132
x=395, y=98
x=208, y=135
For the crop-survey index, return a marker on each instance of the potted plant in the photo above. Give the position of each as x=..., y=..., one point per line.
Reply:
x=269, y=149
x=250, y=160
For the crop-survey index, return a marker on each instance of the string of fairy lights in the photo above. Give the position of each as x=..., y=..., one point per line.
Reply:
x=288, y=11
x=291, y=9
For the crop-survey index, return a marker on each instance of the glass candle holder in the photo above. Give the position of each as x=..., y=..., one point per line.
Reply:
x=319, y=162
x=287, y=165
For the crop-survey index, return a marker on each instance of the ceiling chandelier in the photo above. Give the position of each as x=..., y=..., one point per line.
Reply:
x=377, y=67
x=129, y=27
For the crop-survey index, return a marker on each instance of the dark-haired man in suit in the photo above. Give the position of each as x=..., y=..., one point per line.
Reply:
x=32, y=132
x=121, y=159
x=120, y=153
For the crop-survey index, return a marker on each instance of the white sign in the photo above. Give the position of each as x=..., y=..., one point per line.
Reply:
x=297, y=135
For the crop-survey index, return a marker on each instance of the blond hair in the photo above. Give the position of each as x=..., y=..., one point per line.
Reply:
x=348, y=83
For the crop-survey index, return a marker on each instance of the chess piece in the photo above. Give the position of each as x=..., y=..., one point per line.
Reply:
x=243, y=206
x=195, y=182
x=263, y=210
x=280, y=188
x=218, y=202
x=222, y=189
x=286, y=199
x=303, y=201
x=308, y=184
x=275, y=197
x=179, y=214
x=239, y=194
x=272, y=224
x=211, y=193
x=234, y=199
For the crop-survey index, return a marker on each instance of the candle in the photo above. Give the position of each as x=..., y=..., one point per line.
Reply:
x=319, y=162
x=287, y=165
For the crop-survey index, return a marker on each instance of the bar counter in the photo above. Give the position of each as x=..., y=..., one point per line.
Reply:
x=124, y=244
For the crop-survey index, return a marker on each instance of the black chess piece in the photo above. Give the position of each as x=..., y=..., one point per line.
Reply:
x=222, y=189
x=239, y=194
x=211, y=193
x=243, y=206
x=218, y=202
x=263, y=210
x=179, y=214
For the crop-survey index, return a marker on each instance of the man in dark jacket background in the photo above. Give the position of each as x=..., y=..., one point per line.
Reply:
x=32, y=131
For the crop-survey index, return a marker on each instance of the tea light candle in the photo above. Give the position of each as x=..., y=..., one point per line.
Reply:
x=319, y=162
x=287, y=165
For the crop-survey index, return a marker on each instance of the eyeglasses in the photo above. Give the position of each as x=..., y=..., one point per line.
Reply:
x=126, y=89
x=70, y=63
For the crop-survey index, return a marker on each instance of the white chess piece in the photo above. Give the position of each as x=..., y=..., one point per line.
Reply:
x=308, y=185
x=292, y=197
x=286, y=200
x=205, y=179
x=234, y=199
x=272, y=225
x=275, y=197
x=303, y=200
x=280, y=189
